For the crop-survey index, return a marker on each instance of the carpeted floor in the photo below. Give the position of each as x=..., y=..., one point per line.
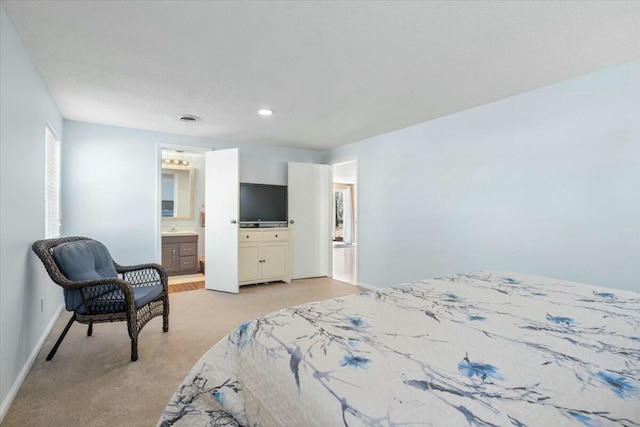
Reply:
x=91, y=382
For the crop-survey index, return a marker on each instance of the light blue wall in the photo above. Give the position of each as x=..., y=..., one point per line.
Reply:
x=25, y=107
x=110, y=182
x=546, y=182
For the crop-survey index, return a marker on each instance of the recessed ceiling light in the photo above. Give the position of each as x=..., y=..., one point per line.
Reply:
x=266, y=111
x=189, y=118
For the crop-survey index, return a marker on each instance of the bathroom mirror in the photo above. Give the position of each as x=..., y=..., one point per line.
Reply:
x=177, y=193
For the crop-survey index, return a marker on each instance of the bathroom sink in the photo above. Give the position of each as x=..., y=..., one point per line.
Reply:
x=179, y=233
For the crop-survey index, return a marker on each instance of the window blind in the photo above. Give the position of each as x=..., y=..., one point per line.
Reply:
x=52, y=185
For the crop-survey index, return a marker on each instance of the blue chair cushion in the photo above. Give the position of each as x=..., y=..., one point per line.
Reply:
x=84, y=260
x=90, y=260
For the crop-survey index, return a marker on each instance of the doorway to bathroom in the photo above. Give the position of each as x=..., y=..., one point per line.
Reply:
x=181, y=209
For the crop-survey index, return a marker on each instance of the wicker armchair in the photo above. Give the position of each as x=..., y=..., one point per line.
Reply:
x=98, y=290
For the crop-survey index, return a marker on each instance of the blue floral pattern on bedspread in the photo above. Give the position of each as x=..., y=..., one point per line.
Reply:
x=484, y=349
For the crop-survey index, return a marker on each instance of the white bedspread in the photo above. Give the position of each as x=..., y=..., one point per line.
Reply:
x=470, y=350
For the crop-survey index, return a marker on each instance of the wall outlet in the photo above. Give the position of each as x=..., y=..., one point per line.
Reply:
x=41, y=305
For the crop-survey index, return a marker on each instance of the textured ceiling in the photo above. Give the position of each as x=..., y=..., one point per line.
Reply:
x=335, y=72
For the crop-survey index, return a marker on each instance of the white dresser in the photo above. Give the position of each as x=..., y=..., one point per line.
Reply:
x=264, y=255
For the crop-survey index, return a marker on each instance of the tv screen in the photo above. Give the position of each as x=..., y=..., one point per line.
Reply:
x=263, y=203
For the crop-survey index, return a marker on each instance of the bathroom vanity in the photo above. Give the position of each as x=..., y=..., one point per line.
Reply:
x=180, y=253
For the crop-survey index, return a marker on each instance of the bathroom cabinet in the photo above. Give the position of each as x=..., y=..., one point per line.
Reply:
x=180, y=254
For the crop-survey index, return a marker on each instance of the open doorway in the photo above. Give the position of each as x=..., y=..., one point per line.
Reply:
x=181, y=197
x=345, y=221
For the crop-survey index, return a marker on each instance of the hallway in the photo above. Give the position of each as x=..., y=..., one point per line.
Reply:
x=344, y=262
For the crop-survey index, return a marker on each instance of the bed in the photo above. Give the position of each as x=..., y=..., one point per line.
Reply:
x=479, y=349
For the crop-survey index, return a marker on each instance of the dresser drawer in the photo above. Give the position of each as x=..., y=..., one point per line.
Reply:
x=188, y=263
x=250, y=236
x=275, y=236
x=187, y=249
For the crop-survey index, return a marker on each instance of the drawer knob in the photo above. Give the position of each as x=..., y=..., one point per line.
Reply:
x=276, y=235
x=247, y=237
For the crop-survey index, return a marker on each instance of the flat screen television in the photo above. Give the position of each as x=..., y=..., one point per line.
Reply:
x=262, y=204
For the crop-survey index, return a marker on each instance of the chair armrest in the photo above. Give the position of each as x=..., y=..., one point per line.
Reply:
x=103, y=285
x=144, y=274
x=122, y=284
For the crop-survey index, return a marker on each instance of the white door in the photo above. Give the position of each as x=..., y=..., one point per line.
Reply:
x=310, y=219
x=222, y=184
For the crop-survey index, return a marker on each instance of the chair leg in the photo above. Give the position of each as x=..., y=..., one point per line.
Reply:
x=165, y=323
x=61, y=337
x=165, y=315
x=90, y=330
x=134, y=350
x=132, y=327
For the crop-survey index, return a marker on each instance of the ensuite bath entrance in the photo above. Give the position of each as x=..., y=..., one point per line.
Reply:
x=181, y=211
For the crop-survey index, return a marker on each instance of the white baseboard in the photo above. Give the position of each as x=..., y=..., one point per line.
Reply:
x=27, y=366
x=368, y=287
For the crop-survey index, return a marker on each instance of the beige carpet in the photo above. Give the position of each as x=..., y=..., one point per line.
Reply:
x=91, y=382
